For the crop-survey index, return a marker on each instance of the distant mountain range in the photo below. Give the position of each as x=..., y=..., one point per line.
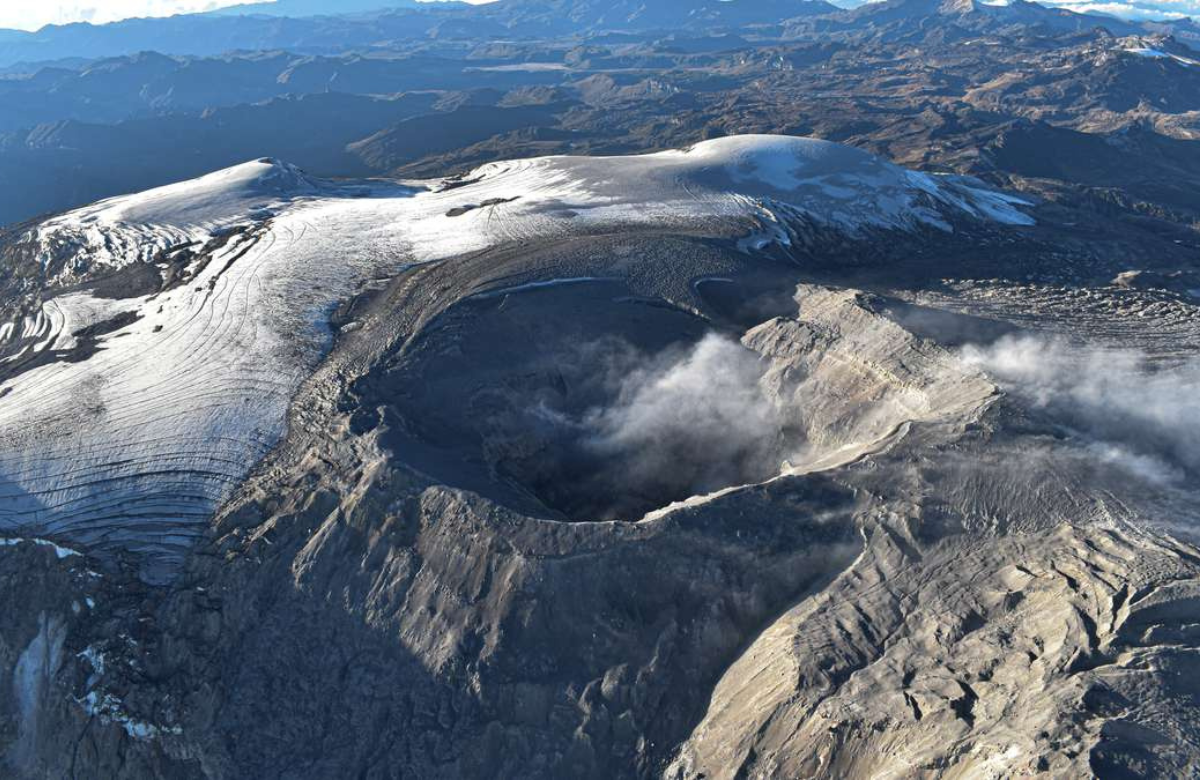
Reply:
x=901, y=18
x=422, y=90
x=300, y=26
x=301, y=8
x=362, y=24
x=206, y=35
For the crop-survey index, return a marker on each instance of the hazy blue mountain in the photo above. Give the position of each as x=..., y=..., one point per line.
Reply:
x=74, y=162
x=561, y=15
x=301, y=8
x=149, y=84
x=202, y=34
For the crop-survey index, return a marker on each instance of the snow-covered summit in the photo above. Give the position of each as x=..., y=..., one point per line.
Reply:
x=764, y=176
x=828, y=183
x=208, y=200
x=132, y=228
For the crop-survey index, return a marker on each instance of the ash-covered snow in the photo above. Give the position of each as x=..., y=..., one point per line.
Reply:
x=135, y=446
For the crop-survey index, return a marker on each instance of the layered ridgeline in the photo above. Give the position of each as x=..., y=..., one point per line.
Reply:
x=152, y=367
x=99, y=111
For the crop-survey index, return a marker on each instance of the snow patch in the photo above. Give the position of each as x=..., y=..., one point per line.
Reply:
x=59, y=551
x=109, y=709
x=95, y=659
x=1158, y=54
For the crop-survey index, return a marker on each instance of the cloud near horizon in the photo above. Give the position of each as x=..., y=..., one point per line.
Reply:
x=35, y=14
x=1159, y=10
x=1134, y=10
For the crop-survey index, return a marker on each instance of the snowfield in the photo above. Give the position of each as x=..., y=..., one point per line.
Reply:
x=134, y=446
x=137, y=227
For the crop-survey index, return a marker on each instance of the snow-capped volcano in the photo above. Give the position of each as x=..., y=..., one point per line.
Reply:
x=132, y=228
x=126, y=421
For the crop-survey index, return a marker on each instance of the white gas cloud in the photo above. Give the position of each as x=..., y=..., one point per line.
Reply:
x=1129, y=411
x=699, y=419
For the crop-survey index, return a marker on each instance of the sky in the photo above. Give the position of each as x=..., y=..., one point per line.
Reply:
x=32, y=14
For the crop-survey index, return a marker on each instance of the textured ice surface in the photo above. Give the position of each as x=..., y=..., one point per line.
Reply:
x=121, y=230
x=134, y=447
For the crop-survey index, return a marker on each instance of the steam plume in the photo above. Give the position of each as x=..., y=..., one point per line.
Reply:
x=1135, y=414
